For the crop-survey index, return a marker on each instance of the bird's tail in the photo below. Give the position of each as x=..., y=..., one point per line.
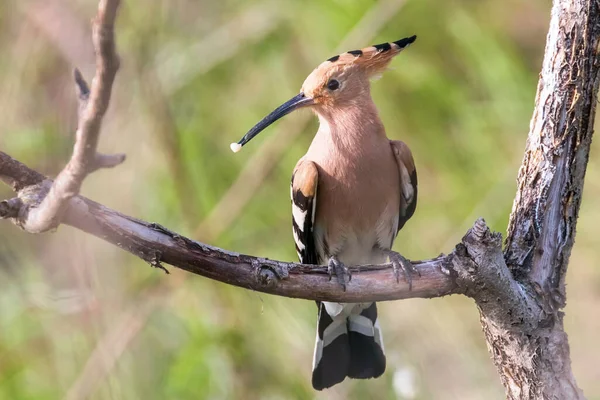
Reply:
x=348, y=344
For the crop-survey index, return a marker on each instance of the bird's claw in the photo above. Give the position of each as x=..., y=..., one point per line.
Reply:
x=337, y=268
x=400, y=263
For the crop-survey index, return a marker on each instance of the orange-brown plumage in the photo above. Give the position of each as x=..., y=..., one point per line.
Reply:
x=306, y=180
x=351, y=193
x=356, y=66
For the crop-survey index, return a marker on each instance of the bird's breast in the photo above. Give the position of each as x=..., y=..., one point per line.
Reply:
x=357, y=206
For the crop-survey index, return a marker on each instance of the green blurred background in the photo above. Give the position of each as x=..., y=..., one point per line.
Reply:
x=82, y=319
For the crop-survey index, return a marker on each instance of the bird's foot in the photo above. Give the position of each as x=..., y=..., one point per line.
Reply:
x=337, y=268
x=400, y=263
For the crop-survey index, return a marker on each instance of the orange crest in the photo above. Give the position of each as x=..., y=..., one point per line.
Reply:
x=364, y=63
x=373, y=59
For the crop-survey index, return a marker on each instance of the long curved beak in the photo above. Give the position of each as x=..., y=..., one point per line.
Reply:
x=292, y=104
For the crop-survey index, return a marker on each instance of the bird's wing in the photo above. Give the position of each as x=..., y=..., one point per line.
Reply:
x=304, y=203
x=408, y=181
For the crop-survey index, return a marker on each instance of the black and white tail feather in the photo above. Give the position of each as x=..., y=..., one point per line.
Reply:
x=349, y=344
x=349, y=341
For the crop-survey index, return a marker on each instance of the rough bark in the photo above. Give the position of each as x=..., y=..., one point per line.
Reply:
x=519, y=292
x=536, y=364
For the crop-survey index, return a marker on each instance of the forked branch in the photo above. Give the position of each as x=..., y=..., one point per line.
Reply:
x=444, y=275
x=45, y=209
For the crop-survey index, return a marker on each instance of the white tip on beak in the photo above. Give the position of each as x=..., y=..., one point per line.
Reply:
x=235, y=147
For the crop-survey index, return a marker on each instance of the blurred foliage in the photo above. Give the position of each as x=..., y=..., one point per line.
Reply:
x=83, y=319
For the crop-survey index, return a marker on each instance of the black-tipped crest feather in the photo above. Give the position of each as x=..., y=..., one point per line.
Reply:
x=383, y=47
x=402, y=43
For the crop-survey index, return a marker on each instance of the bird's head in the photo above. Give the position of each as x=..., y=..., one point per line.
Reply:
x=340, y=80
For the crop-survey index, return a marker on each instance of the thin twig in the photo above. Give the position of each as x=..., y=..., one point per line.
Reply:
x=93, y=105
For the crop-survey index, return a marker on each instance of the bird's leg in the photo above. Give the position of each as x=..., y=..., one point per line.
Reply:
x=400, y=263
x=337, y=268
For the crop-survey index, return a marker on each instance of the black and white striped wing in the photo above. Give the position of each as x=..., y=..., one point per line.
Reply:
x=408, y=181
x=304, y=202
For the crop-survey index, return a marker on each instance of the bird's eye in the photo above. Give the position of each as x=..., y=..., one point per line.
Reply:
x=333, y=84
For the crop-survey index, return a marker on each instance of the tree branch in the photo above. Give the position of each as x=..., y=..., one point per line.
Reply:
x=10, y=208
x=49, y=211
x=157, y=245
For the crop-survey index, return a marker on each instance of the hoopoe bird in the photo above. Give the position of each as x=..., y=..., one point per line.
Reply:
x=351, y=194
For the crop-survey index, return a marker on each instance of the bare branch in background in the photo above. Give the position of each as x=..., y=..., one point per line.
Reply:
x=48, y=210
x=157, y=245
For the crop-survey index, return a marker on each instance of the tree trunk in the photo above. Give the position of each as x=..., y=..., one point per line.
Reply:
x=535, y=364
